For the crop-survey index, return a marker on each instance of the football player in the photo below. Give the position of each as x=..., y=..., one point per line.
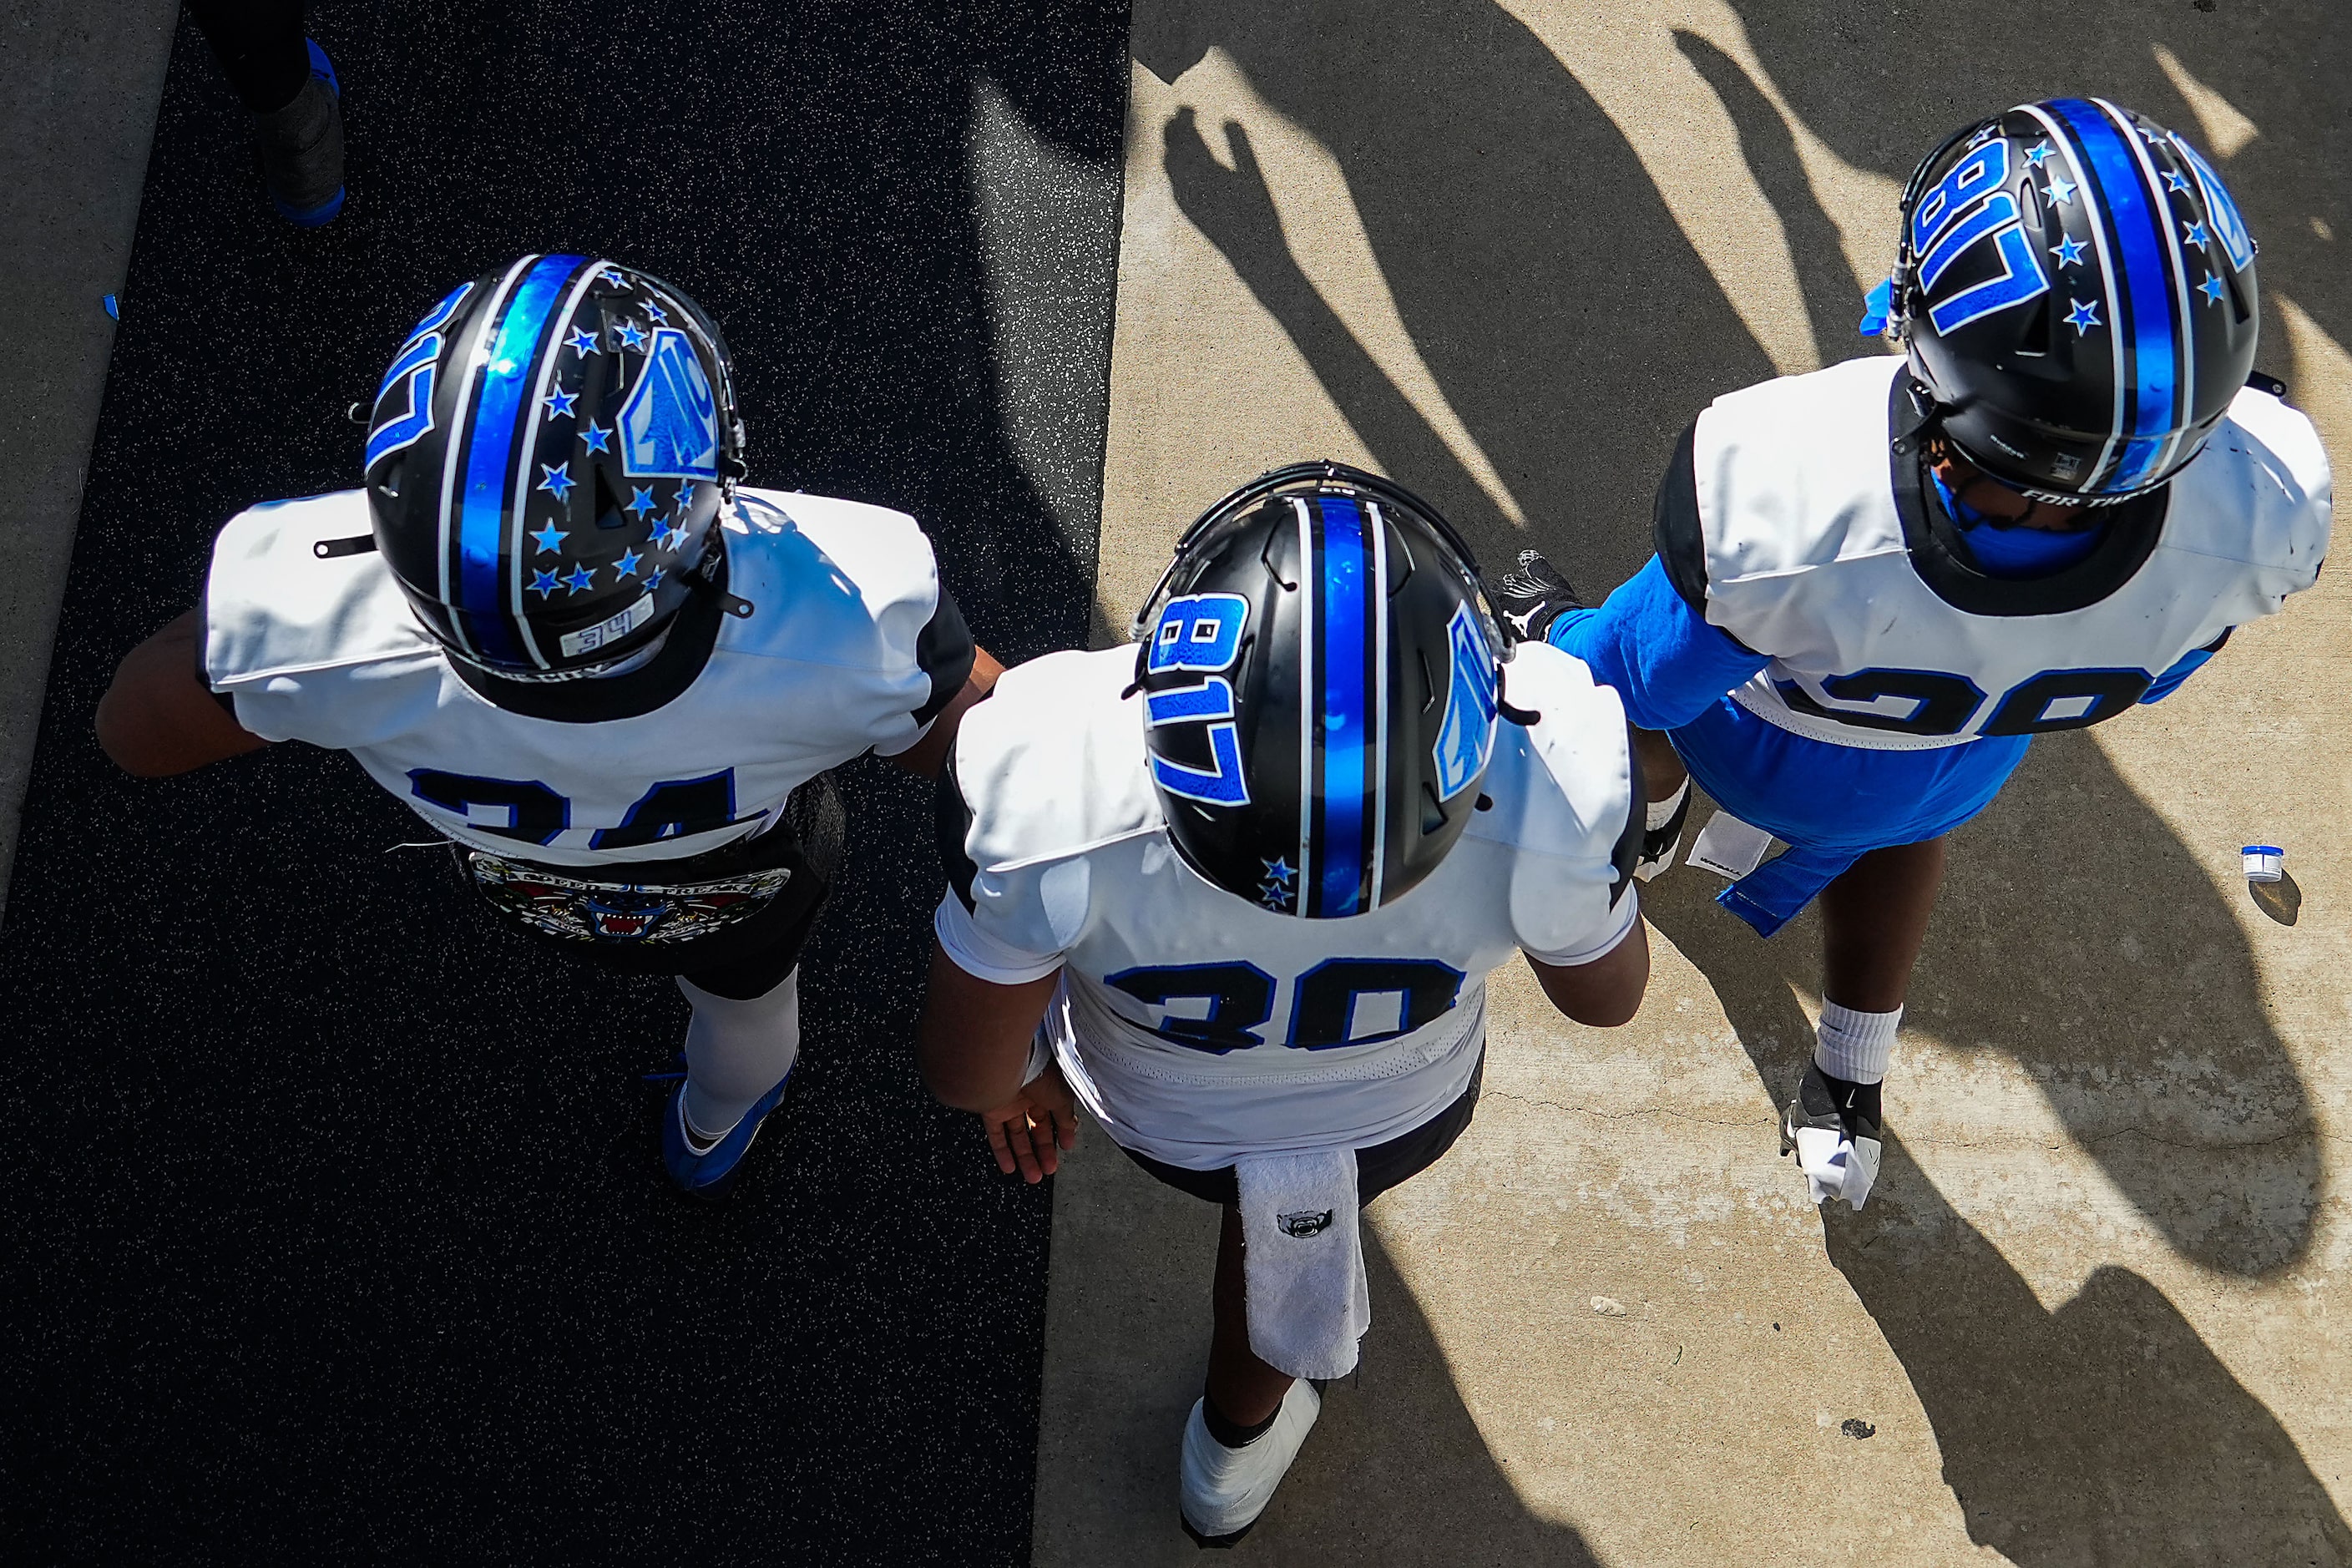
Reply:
x=555, y=625
x=1238, y=889
x=1875, y=584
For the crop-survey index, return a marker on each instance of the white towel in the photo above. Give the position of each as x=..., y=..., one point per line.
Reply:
x=1308, y=1300
x=1730, y=847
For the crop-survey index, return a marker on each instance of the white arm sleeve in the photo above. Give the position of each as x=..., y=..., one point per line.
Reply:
x=1622, y=919
x=982, y=956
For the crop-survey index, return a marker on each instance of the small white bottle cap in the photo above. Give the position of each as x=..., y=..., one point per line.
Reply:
x=2264, y=862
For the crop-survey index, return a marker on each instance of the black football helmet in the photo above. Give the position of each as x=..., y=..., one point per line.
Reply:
x=1321, y=680
x=547, y=464
x=2076, y=290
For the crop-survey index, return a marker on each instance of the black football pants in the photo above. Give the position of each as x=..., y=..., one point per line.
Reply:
x=261, y=46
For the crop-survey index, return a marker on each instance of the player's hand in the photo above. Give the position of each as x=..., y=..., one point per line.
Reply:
x=1029, y=1131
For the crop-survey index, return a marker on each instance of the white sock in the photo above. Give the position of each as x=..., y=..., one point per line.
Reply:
x=736, y=1051
x=1854, y=1045
x=1662, y=811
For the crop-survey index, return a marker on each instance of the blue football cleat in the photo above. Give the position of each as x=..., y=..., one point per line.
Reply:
x=708, y=1176
x=301, y=148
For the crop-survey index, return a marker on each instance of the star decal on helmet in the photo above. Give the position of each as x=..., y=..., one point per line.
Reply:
x=614, y=277
x=2069, y=252
x=2042, y=153
x=581, y=577
x=2198, y=234
x=2062, y=190
x=655, y=313
x=653, y=579
x=626, y=566
x=2084, y=316
x=2174, y=180
x=557, y=480
x=630, y=334
x=549, y=538
x=685, y=497
x=583, y=343
x=641, y=499
x=599, y=438
x=558, y=402
x=544, y=583
x=2211, y=288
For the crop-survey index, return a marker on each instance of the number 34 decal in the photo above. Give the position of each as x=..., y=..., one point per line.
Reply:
x=673, y=808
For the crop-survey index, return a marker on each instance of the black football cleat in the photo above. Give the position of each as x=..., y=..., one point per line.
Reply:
x=302, y=148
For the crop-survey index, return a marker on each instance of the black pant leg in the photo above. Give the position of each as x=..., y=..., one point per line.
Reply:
x=261, y=46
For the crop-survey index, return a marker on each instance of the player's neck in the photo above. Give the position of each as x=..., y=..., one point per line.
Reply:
x=1987, y=496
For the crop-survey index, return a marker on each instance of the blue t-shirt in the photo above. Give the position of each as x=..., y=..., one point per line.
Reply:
x=2012, y=551
x=1670, y=666
x=1830, y=802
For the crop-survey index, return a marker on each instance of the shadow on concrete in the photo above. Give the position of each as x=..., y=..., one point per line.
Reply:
x=2145, y=1032
x=2045, y=1418
x=1574, y=330
x=1815, y=247
x=1880, y=84
x=2282, y=900
x=337, y=1228
x=2104, y=1431
x=1571, y=324
x=2117, y=975
x=1395, y=1473
x=1396, y=1452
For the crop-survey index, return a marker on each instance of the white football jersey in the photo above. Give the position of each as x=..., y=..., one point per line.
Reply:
x=323, y=648
x=1817, y=551
x=1199, y=1026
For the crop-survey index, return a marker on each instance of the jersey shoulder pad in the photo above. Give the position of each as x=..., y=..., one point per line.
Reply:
x=1561, y=785
x=2262, y=493
x=1793, y=473
x=850, y=583
x=297, y=586
x=1052, y=764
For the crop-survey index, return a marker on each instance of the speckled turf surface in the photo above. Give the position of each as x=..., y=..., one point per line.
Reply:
x=338, y=1229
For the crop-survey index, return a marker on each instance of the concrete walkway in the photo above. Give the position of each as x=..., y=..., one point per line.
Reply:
x=2095, y=1314
x=79, y=84
x=1505, y=252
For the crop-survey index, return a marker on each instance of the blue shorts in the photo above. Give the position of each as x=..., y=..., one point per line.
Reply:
x=1830, y=803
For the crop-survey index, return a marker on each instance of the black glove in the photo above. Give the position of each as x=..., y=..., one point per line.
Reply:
x=1530, y=596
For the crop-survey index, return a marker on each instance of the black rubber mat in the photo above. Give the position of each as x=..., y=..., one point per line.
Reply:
x=338, y=1232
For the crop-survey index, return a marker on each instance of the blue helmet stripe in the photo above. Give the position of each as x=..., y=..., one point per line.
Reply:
x=2138, y=228
x=490, y=460
x=551, y=349
x=1344, y=572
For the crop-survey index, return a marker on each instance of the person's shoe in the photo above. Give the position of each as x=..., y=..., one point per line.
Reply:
x=1530, y=596
x=1224, y=1490
x=1837, y=1147
x=301, y=148
x=1659, y=844
x=705, y=1169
